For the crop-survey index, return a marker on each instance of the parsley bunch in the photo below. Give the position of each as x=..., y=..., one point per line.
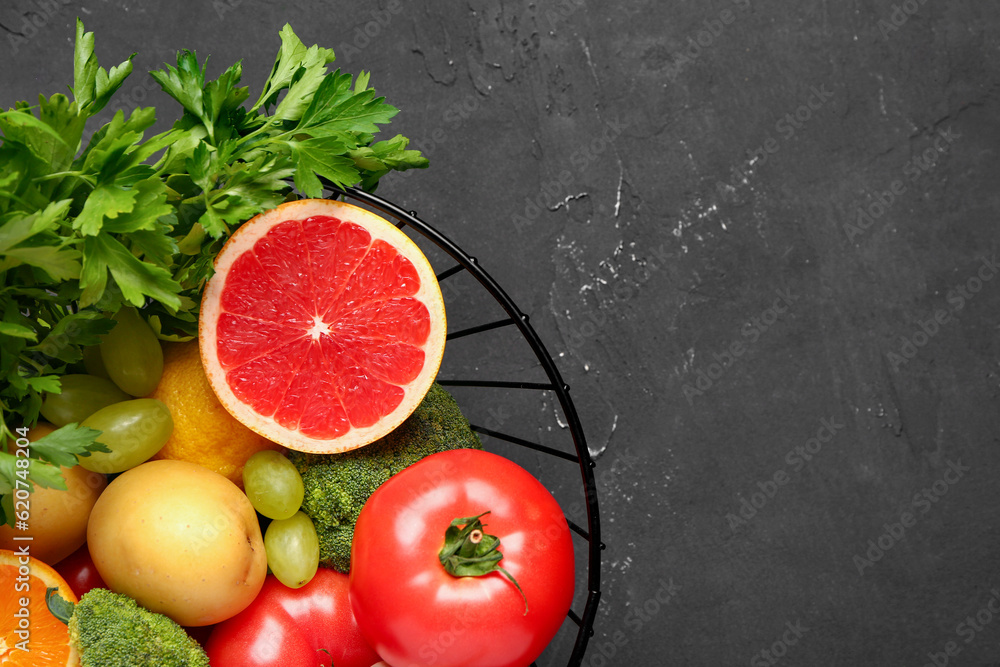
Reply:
x=130, y=220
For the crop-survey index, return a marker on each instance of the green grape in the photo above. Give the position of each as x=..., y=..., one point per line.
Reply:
x=133, y=430
x=292, y=550
x=82, y=396
x=93, y=363
x=272, y=484
x=131, y=353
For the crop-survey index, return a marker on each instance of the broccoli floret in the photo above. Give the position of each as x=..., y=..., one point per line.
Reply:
x=111, y=630
x=337, y=485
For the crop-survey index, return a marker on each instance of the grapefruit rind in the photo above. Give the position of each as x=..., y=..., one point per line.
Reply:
x=429, y=293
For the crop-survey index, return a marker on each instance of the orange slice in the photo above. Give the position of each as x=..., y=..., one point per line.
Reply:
x=38, y=639
x=323, y=326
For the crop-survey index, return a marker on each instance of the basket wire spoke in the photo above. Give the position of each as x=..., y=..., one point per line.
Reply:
x=525, y=443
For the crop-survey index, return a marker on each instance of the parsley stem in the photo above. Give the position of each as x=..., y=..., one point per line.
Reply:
x=11, y=195
x=267, y=123
x=60, y=174
x=66, y=186
x=38, y=367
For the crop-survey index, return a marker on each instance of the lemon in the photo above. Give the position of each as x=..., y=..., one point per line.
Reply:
x=204, y=432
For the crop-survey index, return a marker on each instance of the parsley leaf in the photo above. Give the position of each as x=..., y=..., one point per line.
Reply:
x=319, y=157
x=62, y=446
x=93, y=86
x=292, y=59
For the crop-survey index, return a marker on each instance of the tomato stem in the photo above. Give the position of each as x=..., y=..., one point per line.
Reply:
x=469, y=551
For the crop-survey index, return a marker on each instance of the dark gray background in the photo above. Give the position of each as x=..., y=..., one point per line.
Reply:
x=646, y=208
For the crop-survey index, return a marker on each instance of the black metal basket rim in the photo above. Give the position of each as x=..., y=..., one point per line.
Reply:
x=469, y=263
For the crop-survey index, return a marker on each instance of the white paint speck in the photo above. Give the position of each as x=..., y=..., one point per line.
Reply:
x=565, y=202
x=621, y=181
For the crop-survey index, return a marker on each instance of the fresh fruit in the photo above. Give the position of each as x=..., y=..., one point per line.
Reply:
x=81, y=396
x=323, y=326
x=93, y=363
x=24, y=579
x=79, y=571
x=292, y=550
x=204, y=432
x=182, y=540
x=133, y=430
x=131, y=353
x=273, y=485
x=312, y=626
x=56, y=518
x=468, y=545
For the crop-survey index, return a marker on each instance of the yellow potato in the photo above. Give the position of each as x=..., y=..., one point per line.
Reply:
x=57, y=519
x=181, y=539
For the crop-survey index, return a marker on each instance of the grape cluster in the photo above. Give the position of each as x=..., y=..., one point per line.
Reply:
x=275, y=489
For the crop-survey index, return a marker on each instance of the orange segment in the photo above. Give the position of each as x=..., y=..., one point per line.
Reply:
x=46, y=637
x=323, y=326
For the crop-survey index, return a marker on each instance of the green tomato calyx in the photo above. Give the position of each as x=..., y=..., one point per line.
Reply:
x=469, y=551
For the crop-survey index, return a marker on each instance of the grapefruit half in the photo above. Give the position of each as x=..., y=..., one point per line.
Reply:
x=323, y=326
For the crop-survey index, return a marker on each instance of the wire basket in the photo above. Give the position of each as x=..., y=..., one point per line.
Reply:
x=589, y=546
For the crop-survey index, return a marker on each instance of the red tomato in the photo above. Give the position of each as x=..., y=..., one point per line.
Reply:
x=199, y=633
x=79, y=571
x=312, y=626
x=413, y=612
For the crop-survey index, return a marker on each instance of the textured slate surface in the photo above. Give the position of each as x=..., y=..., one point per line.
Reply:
x=673, y=192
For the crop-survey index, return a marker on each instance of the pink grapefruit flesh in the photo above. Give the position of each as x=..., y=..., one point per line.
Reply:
x=323, y=326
